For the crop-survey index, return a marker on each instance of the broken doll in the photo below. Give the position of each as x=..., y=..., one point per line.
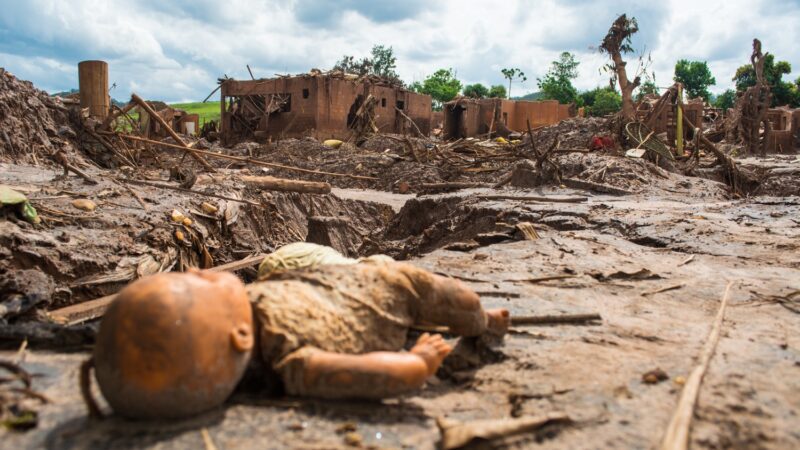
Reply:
x=176, y=344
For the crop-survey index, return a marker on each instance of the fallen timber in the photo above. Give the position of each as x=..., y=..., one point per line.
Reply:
x=280, y=184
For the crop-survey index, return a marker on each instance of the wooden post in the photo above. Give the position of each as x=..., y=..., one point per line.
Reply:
x=93, y=85
x=679, y=121
x=154, y=116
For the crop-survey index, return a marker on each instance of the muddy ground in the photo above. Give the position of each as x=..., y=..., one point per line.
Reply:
x=619, y=252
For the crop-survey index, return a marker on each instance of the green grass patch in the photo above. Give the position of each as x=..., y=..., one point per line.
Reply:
x=207, y=111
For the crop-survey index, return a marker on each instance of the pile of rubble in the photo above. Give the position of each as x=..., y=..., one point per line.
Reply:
x=34, y=127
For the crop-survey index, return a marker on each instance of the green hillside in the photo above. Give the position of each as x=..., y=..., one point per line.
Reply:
x=531, y=96
x=207, y=111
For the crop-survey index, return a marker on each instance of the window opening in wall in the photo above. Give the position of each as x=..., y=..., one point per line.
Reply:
x=305, y=93
x=383, y=102
x=280, y=103
x=401, y=104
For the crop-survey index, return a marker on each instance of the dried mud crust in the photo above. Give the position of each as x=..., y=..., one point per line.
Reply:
x=688, y=223
x=593, y=373
x=90, y=254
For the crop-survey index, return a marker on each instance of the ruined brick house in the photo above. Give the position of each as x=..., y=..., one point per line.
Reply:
x=785, y=134
x=180, y=121
x=666, y=122
x=322, y=105
x=467, y=117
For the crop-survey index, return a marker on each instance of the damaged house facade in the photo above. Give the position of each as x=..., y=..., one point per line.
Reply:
x=326, y=106
x=468, y=117
x=784, y=137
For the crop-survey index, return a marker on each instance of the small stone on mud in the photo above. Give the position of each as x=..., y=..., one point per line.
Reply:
x=177, y=216
x=679, y=380
x=655, y=376
x=84, y=204
x=297, y=426
x=208, y=208
x=353, y=439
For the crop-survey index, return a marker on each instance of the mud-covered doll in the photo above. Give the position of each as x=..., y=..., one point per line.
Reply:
x=176, y=344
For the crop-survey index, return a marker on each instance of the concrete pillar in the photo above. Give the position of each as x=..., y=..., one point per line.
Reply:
x=93, y=85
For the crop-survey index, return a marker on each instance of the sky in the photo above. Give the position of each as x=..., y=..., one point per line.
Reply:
x=175, y=50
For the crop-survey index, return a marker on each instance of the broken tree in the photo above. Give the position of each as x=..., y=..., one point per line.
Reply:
x=617, y=42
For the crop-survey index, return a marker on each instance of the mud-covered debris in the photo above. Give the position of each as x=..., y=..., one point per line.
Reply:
x=353, y=439
x=457, y=434
x=84, y=204
x=346, y=427
x=208, y=208
x=23, y=290
x=654, y=376
x=19, y=403
x=641, y=274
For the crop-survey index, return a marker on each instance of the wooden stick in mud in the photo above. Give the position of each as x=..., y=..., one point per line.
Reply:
x=255, y=162
x=281, y=184
x=559, y=319
x=451, y=185
x=92, y=309
x=677, y=435
x=188, y=191
x=153, y=115
x=533, y=198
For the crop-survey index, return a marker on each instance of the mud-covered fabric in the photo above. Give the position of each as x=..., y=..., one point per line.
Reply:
x=351, y=309
x=302, y=255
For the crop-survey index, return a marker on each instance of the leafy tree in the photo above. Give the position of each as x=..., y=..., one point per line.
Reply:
x=442, y=86
x=695, y=77
x=510, y=74
x=557, y=82
x=587, y=98
x=648, y=86
x=725, y=100
x=381, y=62
x=415, y=87
x=497, y=91
x=783, y=93
x=349, y=64
x=606, y=101
x=476, y=90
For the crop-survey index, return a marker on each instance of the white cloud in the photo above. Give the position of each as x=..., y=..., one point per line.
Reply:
x=176, y=50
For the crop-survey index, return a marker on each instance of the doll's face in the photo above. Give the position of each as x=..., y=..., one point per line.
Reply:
x=174, y=344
